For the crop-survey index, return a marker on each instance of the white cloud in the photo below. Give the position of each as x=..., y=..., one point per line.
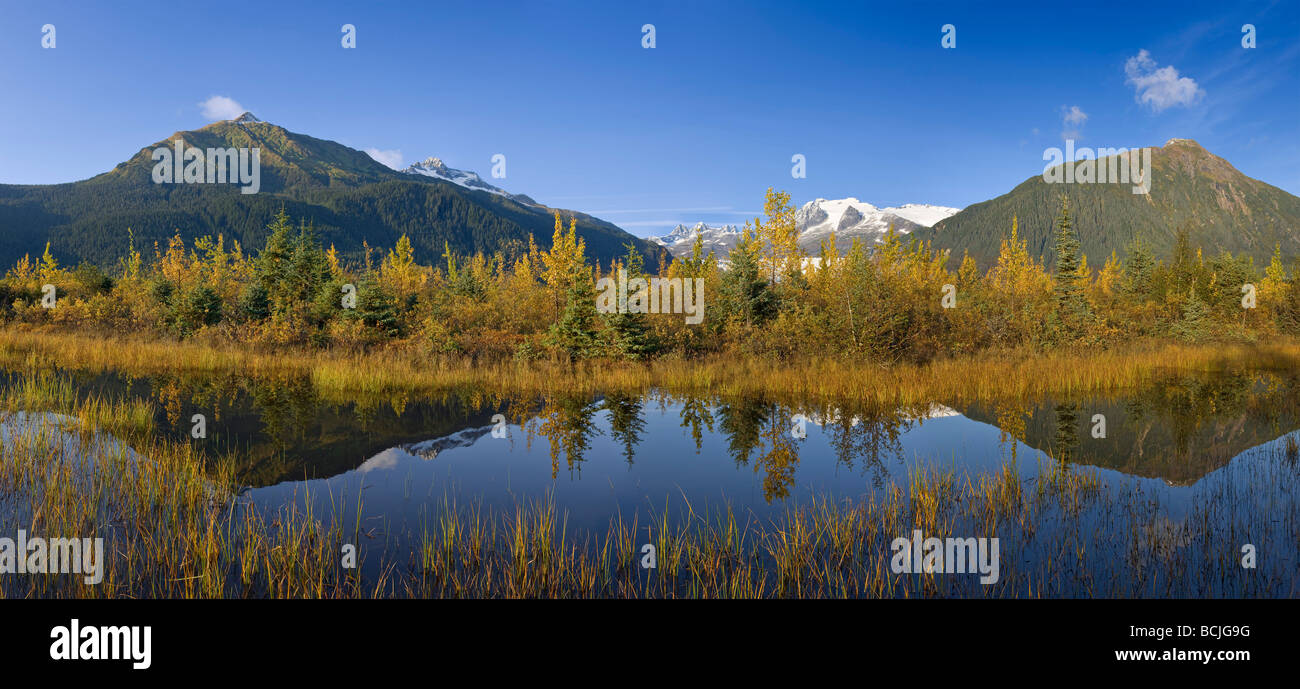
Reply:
x=1159, y=88
x=391, y=158
x=221, y=108
x=1073, y=119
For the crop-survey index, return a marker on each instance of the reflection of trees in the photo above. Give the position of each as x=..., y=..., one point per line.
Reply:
x=567, y=423
x=625, y=421
x=1187, y=402
x=180, y=395
x=1193, y=401
x=747, y=423
x=740, y=420
x=1011, y=423
x=778, y=464
x=695, y=414
x=867, y=433
x=752, y=424
x=286, y=406
x=1067, y=431
x=860, y=434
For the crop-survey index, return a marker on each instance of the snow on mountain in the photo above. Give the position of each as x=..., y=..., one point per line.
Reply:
x=851, y=219
x=923, y=213
x=846, y=218
x=680, y=242
x=434, y=167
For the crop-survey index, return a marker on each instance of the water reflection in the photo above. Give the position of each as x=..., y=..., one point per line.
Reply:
x=1179, y=441
x=1178, y=428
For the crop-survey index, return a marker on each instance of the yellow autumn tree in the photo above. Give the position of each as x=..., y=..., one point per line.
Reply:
x=780, y=235
x=559, y=265
x=1273, y=288
x=399, y=270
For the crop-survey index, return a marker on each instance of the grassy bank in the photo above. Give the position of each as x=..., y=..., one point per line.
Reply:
x=175, y=525
x=985, y=377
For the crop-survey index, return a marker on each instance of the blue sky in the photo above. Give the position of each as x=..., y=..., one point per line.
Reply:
x=695, y=128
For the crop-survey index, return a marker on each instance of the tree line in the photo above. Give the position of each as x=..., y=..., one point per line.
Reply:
x=896, y=300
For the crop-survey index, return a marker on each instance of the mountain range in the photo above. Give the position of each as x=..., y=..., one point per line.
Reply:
x=353, y=201
x=349, y=197
x=848, y=219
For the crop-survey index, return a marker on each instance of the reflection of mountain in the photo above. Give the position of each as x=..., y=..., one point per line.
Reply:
x=1178, y=431
x=283, y=431
x=329, y=439
x=428, y=449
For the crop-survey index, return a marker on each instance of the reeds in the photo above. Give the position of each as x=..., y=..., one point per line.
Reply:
x=989, y=377
x=175, y=526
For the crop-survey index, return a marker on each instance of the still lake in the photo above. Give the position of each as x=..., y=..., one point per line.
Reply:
x=1207, y=461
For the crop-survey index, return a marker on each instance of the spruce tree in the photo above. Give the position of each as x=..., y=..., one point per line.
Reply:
x=273, y=262
x=745, y=293
x=1071, y=304
x=1194, y=325
x=376, y=307
x=575, y=333
x=632, y=335
x=1137, y=272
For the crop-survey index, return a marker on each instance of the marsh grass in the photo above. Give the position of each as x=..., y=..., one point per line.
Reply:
x=340, y=375
x=175, y=525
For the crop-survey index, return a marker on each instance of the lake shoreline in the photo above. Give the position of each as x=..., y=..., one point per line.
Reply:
x=983, y=377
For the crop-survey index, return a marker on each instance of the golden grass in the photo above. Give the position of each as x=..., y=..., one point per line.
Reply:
x=349, y=375
x=176, y=527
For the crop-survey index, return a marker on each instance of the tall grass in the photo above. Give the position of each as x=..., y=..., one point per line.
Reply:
x=339, y=375
x=175, y=525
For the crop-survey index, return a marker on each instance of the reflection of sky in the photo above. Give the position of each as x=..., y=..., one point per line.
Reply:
x=401, y=491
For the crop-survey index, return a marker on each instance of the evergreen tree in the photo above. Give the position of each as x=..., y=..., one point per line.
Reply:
x=308, y=268
x=199, y=307
x=377, y=307
x=254, y=303
x=1137, y=272
x=746, y=295
x=1195, y=323
x=625, y=422
x=632, y=335
x=1071, y=304
x=1184, y=266
x=273, y=262
x=575, y=333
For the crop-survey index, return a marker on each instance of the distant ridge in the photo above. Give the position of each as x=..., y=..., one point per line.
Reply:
x=349, y=196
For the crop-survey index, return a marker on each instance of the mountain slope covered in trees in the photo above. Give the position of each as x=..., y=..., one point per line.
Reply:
x=1221, y=209
x=350, y=198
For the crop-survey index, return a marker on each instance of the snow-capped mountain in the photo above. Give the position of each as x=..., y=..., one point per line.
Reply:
x=851, y=219
x=434, y=167
x=848, y=218
x=720, y=240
